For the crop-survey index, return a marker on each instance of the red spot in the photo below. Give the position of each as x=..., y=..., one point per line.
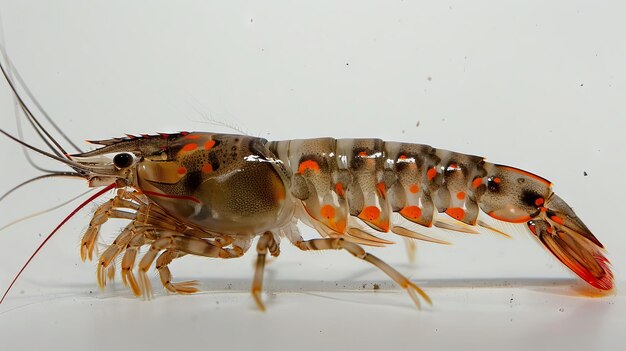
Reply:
x=339, y=189
x=363, y=154
x=184, y=133
x=460, y=195
x=308, y=164
x=431, y=173
x=327, y=211
x=497, y=180
x=190, y=147
x=192, y=136
x=181, y=170
x=557, y=219
x=456, y=213
x=381, y=189
x=453, y=167
x=549, y=230
x=477, y=182
x=209, y=144
x=370, y=213
x=411, y=212
x=539, y=201
x=414, y=188
x=207, y=168
x=402, y=157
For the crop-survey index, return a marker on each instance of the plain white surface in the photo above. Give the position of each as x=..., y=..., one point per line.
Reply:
x=540, y=86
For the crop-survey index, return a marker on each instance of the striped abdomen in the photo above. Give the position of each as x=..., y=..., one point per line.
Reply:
x=371, y=178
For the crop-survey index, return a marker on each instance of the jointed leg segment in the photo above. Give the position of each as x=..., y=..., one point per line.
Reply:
x=266, y=242
x=358, y=252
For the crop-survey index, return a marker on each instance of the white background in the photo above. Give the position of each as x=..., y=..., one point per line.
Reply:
x=539, y=85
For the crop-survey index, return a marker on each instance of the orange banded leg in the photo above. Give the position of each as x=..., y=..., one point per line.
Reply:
x=128, y=262
x=186, y=244
x=103, y=213
x=187, y=287
x=358, y=252
x=266, y=242
x=109, y=255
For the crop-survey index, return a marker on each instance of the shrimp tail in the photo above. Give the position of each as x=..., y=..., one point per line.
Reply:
x=569, y=240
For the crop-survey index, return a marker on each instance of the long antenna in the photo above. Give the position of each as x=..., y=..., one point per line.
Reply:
x=93, y=197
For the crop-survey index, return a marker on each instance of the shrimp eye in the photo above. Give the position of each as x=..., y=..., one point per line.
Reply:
x=123, y=160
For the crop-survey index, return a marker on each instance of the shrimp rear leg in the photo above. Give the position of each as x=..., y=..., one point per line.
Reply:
x=266, y=242
x=357, y=251
x=162, y=262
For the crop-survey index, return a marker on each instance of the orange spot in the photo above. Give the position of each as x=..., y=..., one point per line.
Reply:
x=533, y=229
x=192, y=136
x=497, y=180
x=460, y=195
x=453, y=167
x=539, y=201
x=456, y=213
x=327, y=211
x=340, y=226
x=402, y=157
x=414, y=188
x=207, y=168
x=543, y=209
x=431, y=173
x=339, y=189
x=370, y=213
x=181, y=170
x=209, y=144
x=308, y=164
x=557, y=219
x=549, y=230
x=412, y=212
x=363, y=154
x=521, y=219
x=381, y=189
x=477, y=182
x=190, y=147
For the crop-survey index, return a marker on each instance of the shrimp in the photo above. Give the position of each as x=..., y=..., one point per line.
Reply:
x=211, y=194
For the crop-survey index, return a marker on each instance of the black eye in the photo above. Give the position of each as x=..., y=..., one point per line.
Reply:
x=123, y=160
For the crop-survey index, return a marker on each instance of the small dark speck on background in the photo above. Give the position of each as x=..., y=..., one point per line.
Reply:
x=581, y=84
x=376, y=286
x=430, y=78
x=561, y=309
x=585, y=173
x=22, y=291
x=443, y=119
x=251, y=20
x=402, y=131
x=347, y=63
x=417, y=124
